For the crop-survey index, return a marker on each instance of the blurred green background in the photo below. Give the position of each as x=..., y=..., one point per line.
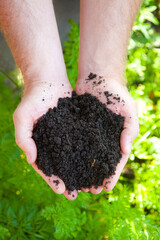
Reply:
x=29, y=209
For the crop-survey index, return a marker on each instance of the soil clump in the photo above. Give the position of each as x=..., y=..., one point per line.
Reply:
x=79, y=141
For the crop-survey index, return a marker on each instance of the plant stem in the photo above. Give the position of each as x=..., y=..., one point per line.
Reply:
x=11, y=79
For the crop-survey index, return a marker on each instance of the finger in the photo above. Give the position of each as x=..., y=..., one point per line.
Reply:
x=85, y=189
x=109, y=183
x=70, y=195
x=54, y=182
x=23, y=135
x=129, y=133
x=96, y=190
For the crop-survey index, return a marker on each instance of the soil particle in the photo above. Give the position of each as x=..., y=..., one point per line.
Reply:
x=56, y=182
x=111, y=98
x=79, y=141
x=91, y=76
x=107, y=94
x=99, y=82
x=107, y=183
x=109, y=102
x=97, y=79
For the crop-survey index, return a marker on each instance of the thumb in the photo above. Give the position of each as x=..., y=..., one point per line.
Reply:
x=23, y=134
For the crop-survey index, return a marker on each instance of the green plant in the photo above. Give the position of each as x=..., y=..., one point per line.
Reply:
x=131, y=211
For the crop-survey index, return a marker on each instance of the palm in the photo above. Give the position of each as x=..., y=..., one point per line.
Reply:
x=124, y=106
x=34, y=104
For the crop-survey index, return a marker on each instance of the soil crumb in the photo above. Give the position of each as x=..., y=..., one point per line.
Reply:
x=91, y=76
x=56, y=182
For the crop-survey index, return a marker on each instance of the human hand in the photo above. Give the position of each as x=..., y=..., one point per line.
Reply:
x=36, y=102
x=125, y=107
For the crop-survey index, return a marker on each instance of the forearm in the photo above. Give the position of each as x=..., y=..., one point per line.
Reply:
x=31, y=33
x=105, y=28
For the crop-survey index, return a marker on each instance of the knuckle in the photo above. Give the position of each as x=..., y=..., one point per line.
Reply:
x=18, y=142
x=14, y=115
x=17, y=115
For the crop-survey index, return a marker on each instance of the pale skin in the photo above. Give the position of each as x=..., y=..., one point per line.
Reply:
x=31, y=32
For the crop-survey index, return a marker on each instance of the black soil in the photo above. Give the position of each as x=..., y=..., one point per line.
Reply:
x=79, y=141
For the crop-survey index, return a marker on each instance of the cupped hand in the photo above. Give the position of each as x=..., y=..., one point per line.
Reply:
x=36, y=101
x=120, y=102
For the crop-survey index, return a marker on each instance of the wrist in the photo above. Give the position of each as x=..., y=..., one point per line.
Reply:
x=35, y=74
x=46, y=79
x=107, y=70
x=107, y=75
x=39, y=72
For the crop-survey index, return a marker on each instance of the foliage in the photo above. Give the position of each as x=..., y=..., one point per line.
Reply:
x=71, y=50
x=28, y=207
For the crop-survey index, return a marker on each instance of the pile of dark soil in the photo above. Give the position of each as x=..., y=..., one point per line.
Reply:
x=79, y=141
